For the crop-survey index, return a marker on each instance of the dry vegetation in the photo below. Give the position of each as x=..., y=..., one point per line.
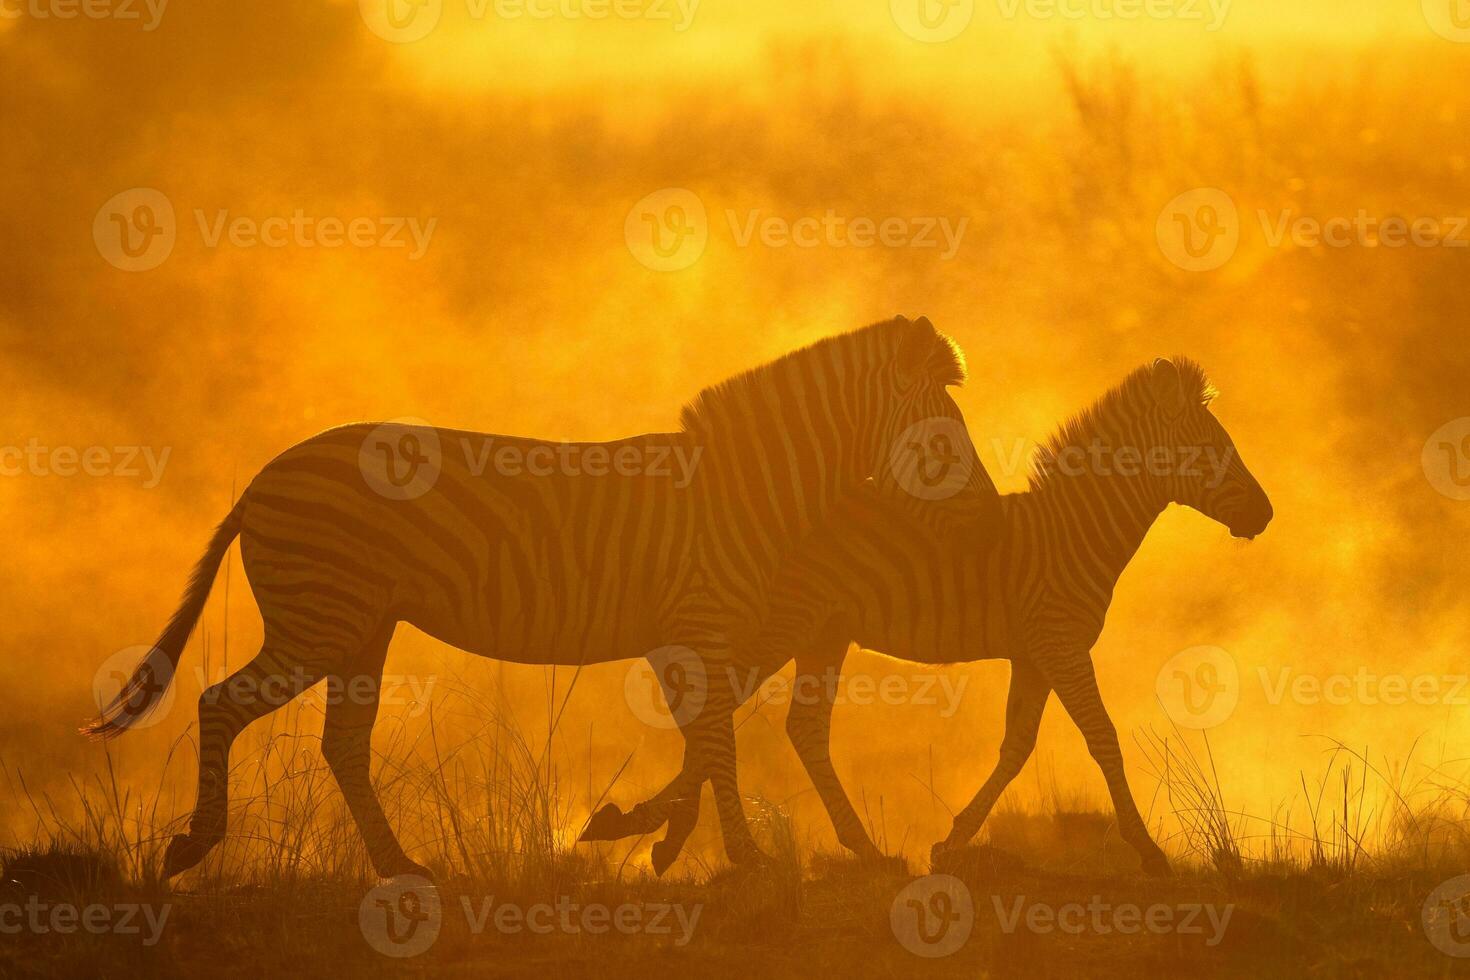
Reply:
x=1333, y=884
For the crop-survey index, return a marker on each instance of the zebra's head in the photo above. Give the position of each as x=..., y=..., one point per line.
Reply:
x=920, y=455
x=1204, y=468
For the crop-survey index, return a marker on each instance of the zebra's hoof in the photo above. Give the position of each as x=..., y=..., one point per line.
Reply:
x=751, y=858
x=405, y=867
x=664, y=854
x=606, y=824
x=184, y=852
x=1157, y=866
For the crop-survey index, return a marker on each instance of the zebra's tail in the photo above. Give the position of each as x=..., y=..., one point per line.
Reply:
x=152, y=677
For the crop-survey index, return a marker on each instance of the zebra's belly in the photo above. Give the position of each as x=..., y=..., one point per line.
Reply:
x=940, y=629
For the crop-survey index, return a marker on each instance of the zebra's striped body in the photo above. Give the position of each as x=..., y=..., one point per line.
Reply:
x=541, y=569
x=1037, y=597
x=363, y=527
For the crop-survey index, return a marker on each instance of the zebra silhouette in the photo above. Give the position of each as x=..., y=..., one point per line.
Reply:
x=1037, y=597
x=362, y=527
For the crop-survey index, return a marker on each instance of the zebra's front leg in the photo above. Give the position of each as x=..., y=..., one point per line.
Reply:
x=1076, y=685
x=1024, y=706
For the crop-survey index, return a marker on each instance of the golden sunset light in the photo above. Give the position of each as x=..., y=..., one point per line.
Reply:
x=380, y=292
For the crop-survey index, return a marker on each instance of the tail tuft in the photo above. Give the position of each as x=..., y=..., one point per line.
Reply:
x=146, y=687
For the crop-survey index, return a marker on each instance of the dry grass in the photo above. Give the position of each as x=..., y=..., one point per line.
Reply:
x=1334, y=882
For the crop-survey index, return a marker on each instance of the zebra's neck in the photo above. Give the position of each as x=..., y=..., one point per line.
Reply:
x=768, y=483
x=1096, y=522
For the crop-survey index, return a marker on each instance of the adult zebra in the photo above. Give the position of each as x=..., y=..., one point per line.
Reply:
x=490, y=544
x=1037, y=596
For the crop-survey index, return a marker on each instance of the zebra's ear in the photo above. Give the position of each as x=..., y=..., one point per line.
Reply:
x=1167, y=386
x=916, y=350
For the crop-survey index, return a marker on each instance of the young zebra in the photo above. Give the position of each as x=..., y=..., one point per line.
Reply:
x=1037, y=597
x=363, y=527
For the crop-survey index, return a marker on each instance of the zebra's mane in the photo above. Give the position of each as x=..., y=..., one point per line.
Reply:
x=945, y=364
x=1132, y=395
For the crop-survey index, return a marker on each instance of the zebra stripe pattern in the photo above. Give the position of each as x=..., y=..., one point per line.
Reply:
x=1038, y=597
x=500, y=546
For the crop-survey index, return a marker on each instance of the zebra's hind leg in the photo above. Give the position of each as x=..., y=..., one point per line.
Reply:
x=713, y=733
x=269, y=681
x=611, y=823
x=809, y=726
x=352, y=708
x=1024, y=707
